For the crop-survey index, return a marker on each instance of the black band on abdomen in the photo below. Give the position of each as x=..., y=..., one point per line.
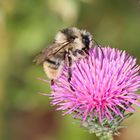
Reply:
x=51, y=62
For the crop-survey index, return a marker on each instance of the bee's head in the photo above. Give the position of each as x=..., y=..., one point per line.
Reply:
x=78, y=39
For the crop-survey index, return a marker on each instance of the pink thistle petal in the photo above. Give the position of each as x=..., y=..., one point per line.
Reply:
x=105, y=83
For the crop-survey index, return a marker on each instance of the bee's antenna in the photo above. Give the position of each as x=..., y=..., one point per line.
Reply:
x=98, y=46
x=96, y=42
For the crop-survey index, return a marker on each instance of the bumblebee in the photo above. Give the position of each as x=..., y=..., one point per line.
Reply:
x=69, y=44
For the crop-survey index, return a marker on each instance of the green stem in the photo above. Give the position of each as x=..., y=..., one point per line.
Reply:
x=107, y=136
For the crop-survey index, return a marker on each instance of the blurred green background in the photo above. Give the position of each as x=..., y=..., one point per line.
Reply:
x=26, y=26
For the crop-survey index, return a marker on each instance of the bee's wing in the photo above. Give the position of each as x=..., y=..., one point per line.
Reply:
x=48, y=52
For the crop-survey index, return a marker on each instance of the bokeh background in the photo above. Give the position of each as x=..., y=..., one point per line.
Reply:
x=27, y=26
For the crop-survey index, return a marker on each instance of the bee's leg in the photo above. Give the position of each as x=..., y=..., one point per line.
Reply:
x=80, y=53
x=69, y=71
x=52, y=82
x=69, y=68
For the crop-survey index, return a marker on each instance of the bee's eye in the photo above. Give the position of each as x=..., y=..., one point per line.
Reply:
x=86, y=40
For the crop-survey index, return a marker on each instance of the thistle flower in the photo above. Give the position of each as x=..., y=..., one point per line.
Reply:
x=104, y=86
